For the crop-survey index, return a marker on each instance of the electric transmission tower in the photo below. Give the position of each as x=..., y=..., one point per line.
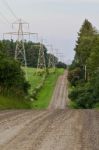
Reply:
x=20, y=53
x=41, y=57
x=51, y=59
x=60, y=55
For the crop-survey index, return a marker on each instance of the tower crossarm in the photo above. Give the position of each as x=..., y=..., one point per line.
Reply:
x=23, y=33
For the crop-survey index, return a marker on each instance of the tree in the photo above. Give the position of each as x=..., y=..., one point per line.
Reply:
x=93, y=60
x=61, y=65
x=86, y=92
x=12, y=78
x=84, y=42
x=32, y=51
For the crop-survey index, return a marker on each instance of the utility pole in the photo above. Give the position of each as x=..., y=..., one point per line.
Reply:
x=41, y=57
x=20, y=53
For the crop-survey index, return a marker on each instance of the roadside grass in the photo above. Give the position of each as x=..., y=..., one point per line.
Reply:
x=46, y=92
x=33, y=78
x=43, y=97
x=13, y=103
x=72, y=105
x=96, y=106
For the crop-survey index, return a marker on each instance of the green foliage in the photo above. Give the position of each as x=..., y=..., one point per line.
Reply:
x=32, y=51
x=82, y=97
x=13, y=103
x=84, y=42
x=85, y=93
x=12, y=79
x=45, y=94
x=61, y=65
x=73, y=105
x=13, y=82
x=37, y=89
x=75, y=75
x=93, y=60
x=96, y=106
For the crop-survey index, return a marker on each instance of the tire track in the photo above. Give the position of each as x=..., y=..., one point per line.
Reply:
x=90, y=132
x=59, y=96
x=29, y=133
x=9, y=113
x=56, y=135
x=12, y=128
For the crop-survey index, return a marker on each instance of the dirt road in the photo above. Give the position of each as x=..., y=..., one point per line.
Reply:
x=53, y=129
x=60, y=95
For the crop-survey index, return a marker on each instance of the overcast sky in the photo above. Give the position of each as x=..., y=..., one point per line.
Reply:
x=58, y=21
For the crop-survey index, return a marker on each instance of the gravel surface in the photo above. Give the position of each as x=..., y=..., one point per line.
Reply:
x=57, y=128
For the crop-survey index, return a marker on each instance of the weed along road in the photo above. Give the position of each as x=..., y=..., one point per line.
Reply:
x=57, y=128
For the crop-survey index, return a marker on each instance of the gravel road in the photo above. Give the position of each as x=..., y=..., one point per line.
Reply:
x=57, y=128
x=60, y=95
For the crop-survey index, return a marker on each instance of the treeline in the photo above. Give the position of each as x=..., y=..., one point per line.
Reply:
x=84, y=70
x=32, y=52
x=12, y=77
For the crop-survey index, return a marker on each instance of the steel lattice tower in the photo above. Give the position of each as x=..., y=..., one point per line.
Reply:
x=20, y=53
x=51, y=60
x=41, y=57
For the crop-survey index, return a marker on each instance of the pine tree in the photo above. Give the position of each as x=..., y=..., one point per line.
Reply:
x=84, y=42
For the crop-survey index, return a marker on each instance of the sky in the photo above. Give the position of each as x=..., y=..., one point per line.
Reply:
x=57, y=21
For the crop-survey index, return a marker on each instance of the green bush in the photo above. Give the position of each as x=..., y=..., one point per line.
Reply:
x=84, y=96
x=12, y=78
x=75, y=75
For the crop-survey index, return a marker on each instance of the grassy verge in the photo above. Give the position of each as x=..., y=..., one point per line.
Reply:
x=43, y=97
x=33, y=78
x=72, y=105
x=46, y=92
x=96, y=106
x=13, y=103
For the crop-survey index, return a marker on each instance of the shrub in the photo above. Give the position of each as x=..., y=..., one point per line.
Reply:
x=12, y=78
x=75, y=75
x=84, y=96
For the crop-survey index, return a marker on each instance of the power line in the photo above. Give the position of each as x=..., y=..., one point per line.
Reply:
x=9, y=8
x=4, y=17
